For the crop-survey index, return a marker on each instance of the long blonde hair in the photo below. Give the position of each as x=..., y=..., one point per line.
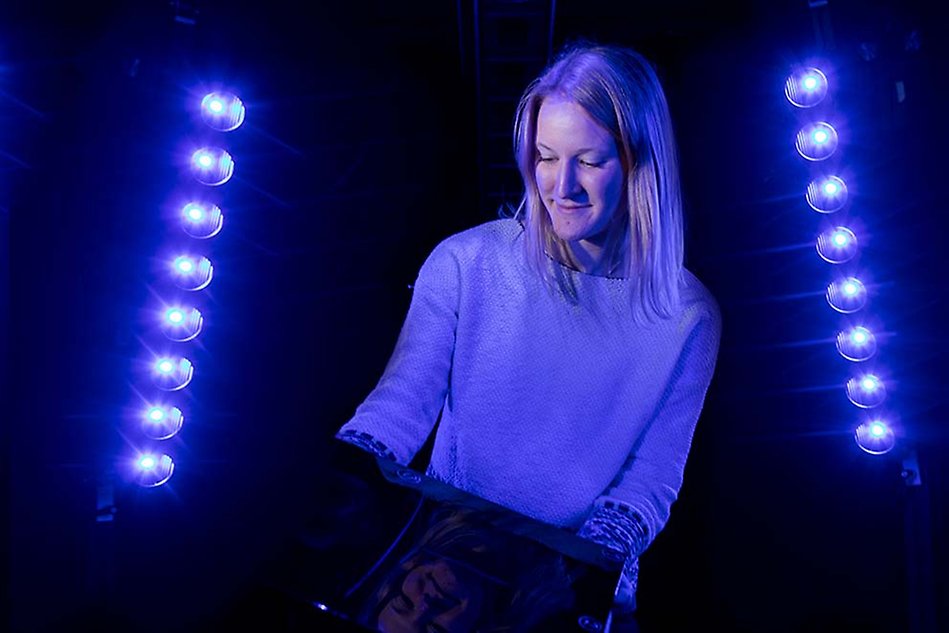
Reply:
x=619, y=89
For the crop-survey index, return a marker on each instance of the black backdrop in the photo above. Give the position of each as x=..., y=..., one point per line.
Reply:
x=359, y=153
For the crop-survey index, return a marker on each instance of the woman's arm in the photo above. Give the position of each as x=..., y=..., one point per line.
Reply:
x=396, y=418
x=635, y=507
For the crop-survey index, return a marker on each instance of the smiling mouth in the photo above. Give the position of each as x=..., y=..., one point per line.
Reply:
x=569, y=208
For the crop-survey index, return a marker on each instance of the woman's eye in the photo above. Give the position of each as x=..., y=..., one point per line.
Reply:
x=545, y=159
x=587, y=163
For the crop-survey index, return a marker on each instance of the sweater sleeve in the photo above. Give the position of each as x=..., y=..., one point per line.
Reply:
x=635, y=507
x=397, y=417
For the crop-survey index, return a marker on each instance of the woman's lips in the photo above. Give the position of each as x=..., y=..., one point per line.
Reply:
x=566, y=208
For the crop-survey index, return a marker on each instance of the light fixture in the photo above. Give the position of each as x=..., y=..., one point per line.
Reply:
x=846, y=295
x=201, y=221
x=161, y=422
x=222, y=111
x=212, y=166
x=806, y=88
x=827, y=195
x=816, y=141
x=172, y=373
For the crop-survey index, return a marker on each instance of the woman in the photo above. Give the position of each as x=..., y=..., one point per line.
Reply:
x=567, y=349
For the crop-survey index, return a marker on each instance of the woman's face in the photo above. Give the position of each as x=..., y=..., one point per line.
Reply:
x=433, y=599
x=579, y=173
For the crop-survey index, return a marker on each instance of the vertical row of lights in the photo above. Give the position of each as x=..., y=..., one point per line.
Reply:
x=808, y=90
x=188, y=272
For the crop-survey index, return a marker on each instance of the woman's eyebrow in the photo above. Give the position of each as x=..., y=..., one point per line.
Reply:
x=584, y=150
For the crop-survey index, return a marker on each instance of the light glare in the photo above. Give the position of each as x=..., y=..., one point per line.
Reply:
x=806, y=87
x=827, y=195
x=222, y=111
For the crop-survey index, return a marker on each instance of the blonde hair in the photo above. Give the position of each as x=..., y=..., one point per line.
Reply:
x=619, y=89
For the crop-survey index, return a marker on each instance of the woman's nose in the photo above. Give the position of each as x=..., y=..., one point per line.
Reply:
x=567, y=183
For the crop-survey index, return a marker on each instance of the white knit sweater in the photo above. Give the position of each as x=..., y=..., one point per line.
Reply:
x=548, y=408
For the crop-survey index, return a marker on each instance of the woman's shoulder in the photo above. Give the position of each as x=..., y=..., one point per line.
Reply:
x=488, y=236
x=697, y=299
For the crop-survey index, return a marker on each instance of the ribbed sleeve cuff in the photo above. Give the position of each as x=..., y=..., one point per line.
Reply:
x=617, y=526
x=366, y=442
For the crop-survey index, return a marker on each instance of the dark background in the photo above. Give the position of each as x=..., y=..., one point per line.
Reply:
x=365, y=145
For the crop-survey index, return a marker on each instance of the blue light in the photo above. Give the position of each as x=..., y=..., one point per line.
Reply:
x=162, y=423
x=827, y=195
x=173, y=374
x=201, y=221
x=875, y=437
x=816, y=141
x=846, y=295
x=203, y=160
x=212, y=166
x=866, y=392
x=806, y=87
x=184, y=264
x=223, y=111
x=191, y=273
x=182, y=324
x=857, y=344
x=153, y=470
x=837, y=245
